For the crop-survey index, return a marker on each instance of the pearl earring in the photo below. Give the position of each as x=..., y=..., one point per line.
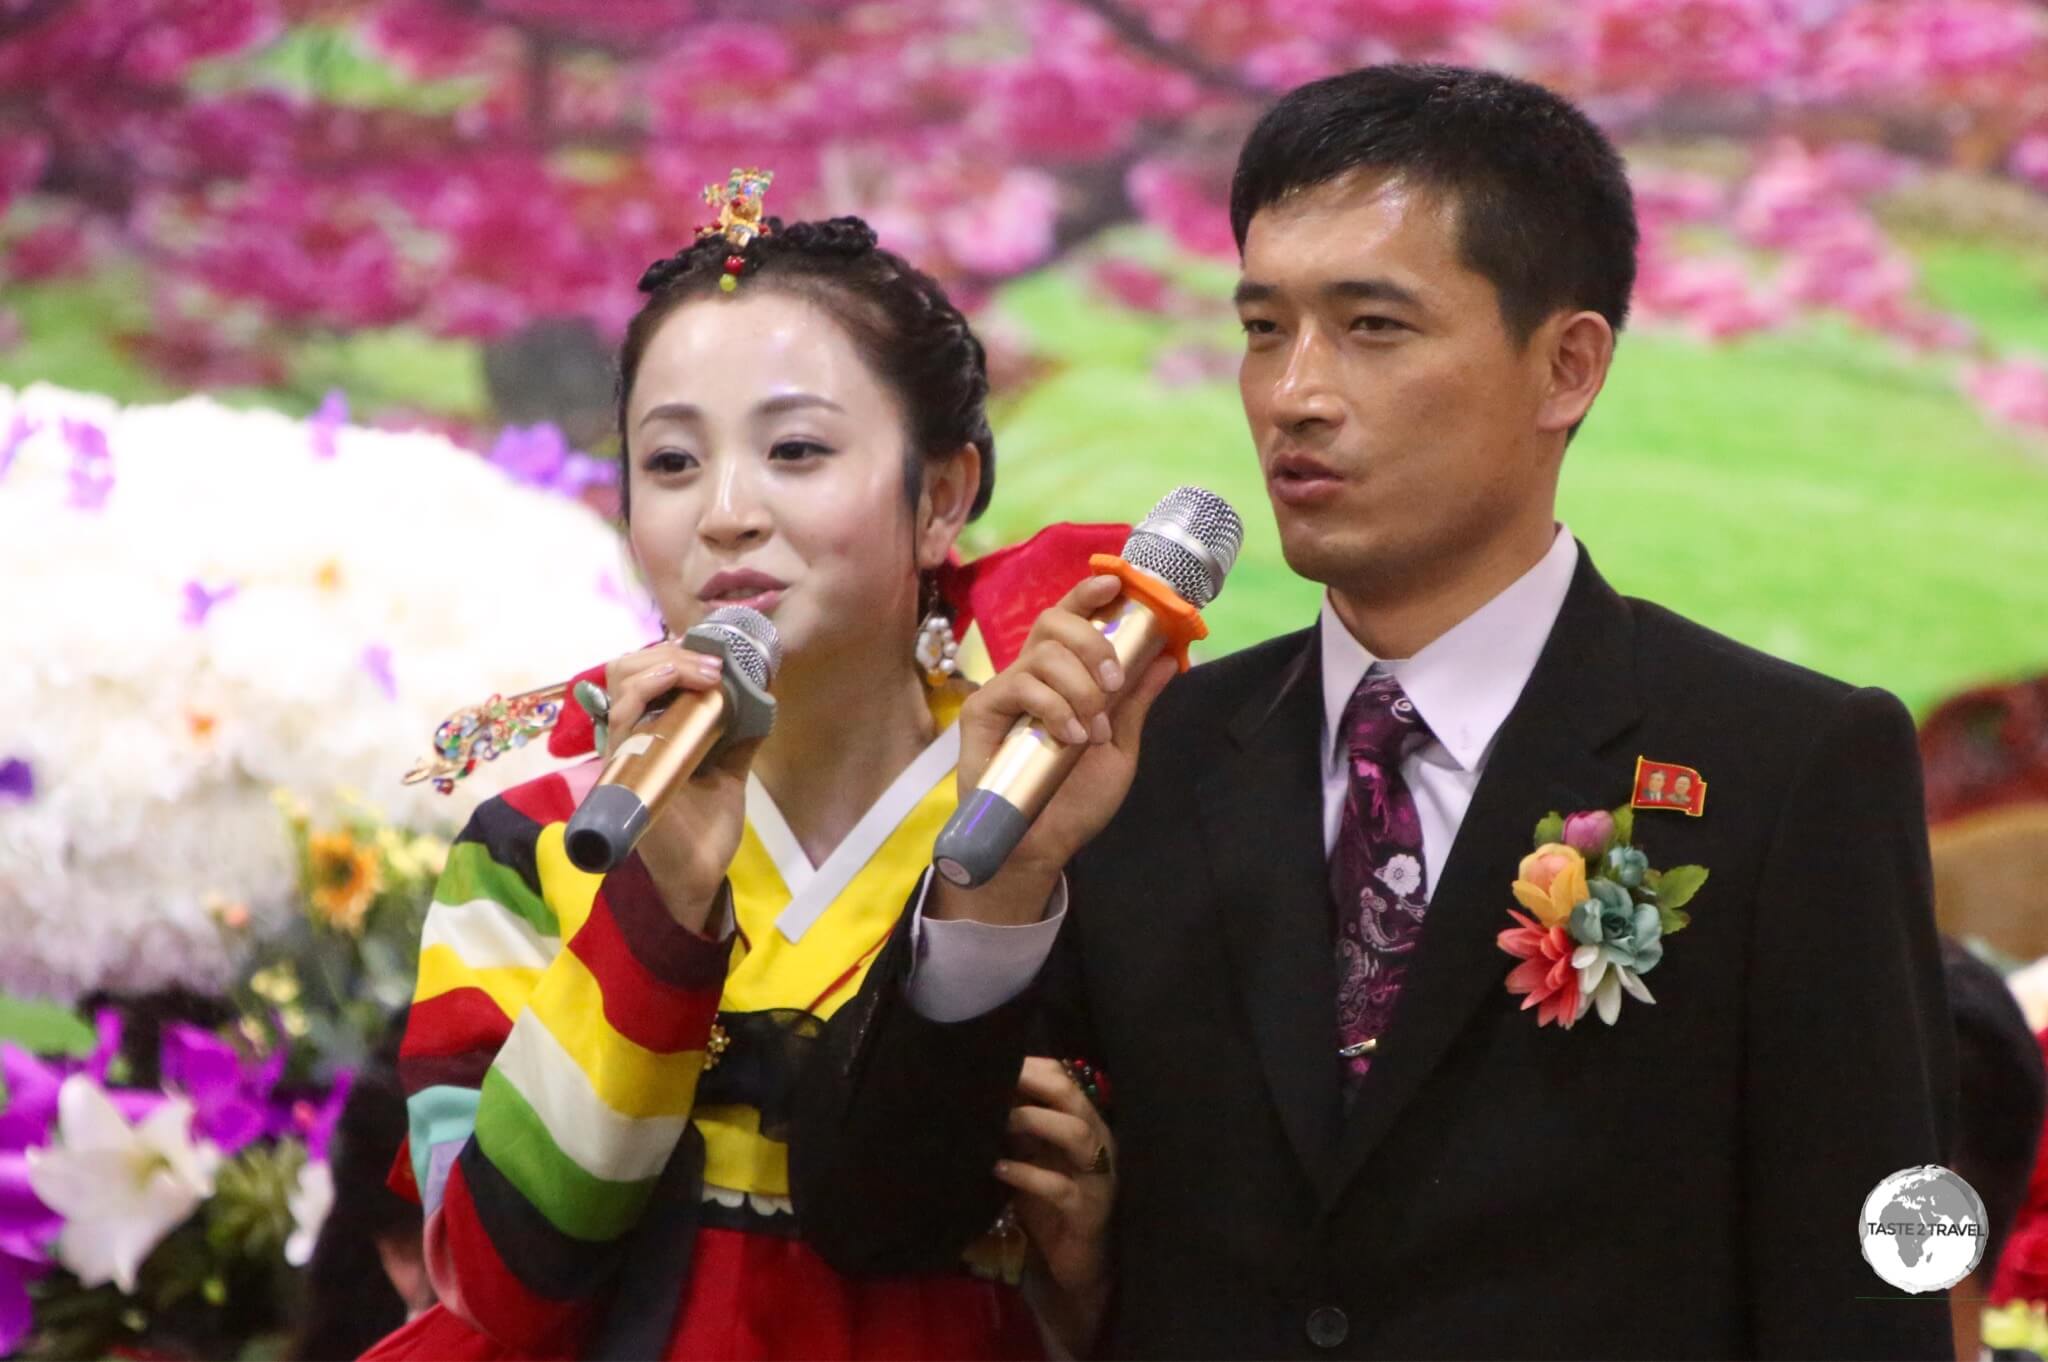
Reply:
x=937, y=651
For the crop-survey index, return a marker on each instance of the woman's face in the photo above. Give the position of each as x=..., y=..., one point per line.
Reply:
x=767, y=464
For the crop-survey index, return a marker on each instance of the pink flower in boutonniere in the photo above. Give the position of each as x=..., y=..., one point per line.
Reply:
x=1551, y=882
x=1589, y=833
x=1546, y=978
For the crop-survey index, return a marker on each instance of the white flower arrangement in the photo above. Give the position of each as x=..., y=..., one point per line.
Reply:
x=200, y=605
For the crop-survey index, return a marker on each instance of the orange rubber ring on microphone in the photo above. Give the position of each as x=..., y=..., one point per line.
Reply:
x=1181, y=622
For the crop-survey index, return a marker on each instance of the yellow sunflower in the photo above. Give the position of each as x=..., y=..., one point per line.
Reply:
x=346, y=877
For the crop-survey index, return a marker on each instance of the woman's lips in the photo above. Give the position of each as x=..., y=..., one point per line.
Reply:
x=1296, y=480
x=743, y=586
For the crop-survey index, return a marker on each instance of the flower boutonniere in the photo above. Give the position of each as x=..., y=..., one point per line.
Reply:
x=1601, y=915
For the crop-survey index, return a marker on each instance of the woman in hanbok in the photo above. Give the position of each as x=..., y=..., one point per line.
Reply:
x=604, y=1074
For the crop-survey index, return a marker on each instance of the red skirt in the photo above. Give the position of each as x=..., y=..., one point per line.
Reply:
x=757, y=1296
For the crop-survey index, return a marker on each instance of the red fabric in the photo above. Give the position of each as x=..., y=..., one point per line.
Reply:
x=458, y=1022
x=1006, y=591
x=400, y=1179
x=758, y=1296
x=2022, y=1267
x=530, y=1325
x=1985, y=748
x=639, y=1004
x=573, y=735
x=545, y=799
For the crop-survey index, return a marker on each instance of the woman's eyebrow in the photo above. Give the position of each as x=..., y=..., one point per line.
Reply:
x=774, y=406
x=672, y=411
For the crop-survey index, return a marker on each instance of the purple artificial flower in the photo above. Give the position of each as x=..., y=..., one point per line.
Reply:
x=533, y=455
x=230, y=1097
x=540, y=456
x=26, y=1122
x=584, y=471
x=26, y=1224
x=21, y=1260
x=32, y=1084
x=17, y=781
x=17, y=436
x=31, y=1109
x=316, y=1124
x=92, y=464
x=200, y=600
x=377, y=662
x=326, y=423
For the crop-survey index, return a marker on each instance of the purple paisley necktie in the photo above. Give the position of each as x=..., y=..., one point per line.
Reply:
x=1376, y=866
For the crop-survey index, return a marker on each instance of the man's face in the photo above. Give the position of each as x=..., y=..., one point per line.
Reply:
x=1394, y=416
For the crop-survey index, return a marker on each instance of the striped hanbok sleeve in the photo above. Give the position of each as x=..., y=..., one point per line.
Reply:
x=550, y=1062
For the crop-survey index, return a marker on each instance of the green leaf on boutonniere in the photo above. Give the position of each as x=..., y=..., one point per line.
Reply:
x=1625, y=826
x=1672, y=919
x=1676, y=886
x=1550, y=829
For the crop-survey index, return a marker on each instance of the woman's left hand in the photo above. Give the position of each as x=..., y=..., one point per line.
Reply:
x=1063, y=1168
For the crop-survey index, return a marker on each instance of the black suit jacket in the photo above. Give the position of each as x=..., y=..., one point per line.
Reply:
x=1685, y=1183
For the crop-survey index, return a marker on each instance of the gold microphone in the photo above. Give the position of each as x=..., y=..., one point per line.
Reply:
x=1173, y=564
x=673, y=742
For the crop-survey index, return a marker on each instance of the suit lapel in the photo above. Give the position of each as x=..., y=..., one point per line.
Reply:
x=1261, y=811
x=1580, y=697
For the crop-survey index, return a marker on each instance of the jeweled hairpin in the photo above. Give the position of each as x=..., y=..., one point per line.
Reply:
x=738, y=202
x=482, y=732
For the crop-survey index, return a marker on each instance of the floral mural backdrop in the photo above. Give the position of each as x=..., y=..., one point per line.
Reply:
x=305, y=316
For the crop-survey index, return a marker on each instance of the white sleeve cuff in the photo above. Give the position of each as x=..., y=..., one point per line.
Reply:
x=961, y=968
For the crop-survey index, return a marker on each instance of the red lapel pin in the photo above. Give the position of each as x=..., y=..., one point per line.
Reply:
x=1667, y=785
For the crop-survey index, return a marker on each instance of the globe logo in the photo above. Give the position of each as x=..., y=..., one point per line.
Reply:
x=1923, y=1229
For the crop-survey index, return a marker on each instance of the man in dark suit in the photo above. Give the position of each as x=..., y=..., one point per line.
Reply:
x=1337, y=1132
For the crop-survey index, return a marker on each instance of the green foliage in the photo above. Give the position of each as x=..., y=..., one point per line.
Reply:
x=250, y=1213
x=44, y=1028
x=330, y=64
x=1676, y=886
x=71, y=336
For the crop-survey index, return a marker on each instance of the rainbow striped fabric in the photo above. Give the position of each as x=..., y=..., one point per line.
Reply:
x=562, y=1021
x=558, y=1034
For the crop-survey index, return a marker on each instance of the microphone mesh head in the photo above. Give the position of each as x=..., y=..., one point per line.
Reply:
x=1190, y=541
x=749, y=641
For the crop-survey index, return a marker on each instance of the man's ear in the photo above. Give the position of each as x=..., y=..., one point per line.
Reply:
x=942, y=507
x=1575, y=350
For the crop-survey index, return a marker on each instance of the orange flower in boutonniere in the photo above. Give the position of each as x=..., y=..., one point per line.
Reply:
x=1551, y=882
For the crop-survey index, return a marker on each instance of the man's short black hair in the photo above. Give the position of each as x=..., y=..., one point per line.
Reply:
x=1543, y=203
x=2000, y=1092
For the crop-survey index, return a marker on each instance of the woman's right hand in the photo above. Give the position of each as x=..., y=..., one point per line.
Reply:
x=692, y=840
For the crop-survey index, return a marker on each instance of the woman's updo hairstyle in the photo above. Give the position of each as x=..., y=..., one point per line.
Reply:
x=906, y=328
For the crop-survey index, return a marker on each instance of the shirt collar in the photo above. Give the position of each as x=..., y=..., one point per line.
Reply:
x=1465, y=682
